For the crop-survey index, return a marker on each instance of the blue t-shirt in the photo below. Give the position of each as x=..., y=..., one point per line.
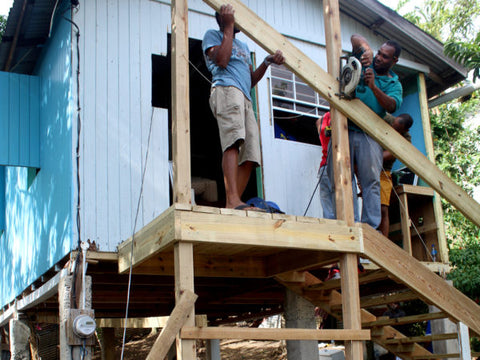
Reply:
x=237, y=72
x=390, y=85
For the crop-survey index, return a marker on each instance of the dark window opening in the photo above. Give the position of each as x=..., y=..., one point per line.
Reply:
x=206, y=153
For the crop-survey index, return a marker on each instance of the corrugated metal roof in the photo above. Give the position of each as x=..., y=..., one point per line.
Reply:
x=34, y=22
x=425, y=49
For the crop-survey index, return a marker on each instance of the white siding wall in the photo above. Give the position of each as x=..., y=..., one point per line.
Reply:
x=116, y=44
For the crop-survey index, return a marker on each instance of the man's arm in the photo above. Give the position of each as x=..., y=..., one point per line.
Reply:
x=385, y=101
x=221, y=54
x=276, y=58
x=361, y=45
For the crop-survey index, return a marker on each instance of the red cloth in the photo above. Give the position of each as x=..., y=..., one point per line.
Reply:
x=324, y=140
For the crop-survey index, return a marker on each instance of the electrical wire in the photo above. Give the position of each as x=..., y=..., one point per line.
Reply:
x=314, y=190
x=133, y=234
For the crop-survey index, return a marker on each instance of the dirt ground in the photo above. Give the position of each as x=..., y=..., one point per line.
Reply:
x=140, y=345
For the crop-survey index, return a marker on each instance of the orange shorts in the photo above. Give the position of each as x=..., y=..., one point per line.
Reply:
x=386, y=186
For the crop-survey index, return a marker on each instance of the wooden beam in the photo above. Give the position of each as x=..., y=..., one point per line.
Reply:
x=326, y=85
x=377, y=275
x=406, y=320
x=298, y=260
x=351, y=303
x=324, y=235
x=43, y=293
x=420, y=279
x=405, y=223
x=340, y=145
x=421, y=339
x=271, y=334
x=147, y=241
x=184, y=282
x=178, y=317
x=436, y=356
x=180, y=104
x=427, y=134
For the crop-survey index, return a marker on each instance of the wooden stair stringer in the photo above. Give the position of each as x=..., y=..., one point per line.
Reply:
x=327, y=299
x=420, y=279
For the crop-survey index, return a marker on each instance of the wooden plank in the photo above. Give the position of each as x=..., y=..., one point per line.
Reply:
x=406, y=223
x=362, y=279
x=351, y=303
x=184, y=281
x=435, y=356
x=271, y=334
x=140, y=323
x=406, y=319
x=237, y=230
x=414, y=190
x=178, y=317
x=340, y=145
x=298, y=260
x=326, y=85
x=148, y=241
x=420, y=279
x=421, y=339
x=43, y=293
x=427, y=134
x=180, y=103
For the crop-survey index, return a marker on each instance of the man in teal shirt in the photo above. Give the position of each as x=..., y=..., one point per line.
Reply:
x=381, y=91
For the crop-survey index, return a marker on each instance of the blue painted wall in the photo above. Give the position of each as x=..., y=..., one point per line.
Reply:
x=19, y=120
x=2, y=199
x=411, y=105
x=39, y=208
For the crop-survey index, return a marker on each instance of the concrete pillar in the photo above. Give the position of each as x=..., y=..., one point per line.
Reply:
x=300, y=313
x=443, y=326
x=19, y=335
x=213, y=349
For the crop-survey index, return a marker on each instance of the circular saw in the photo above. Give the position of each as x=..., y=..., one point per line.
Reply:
x=350, y=77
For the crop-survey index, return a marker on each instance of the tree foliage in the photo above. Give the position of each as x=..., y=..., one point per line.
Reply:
x=466, y=53
x=3, y=25
x=456, y=137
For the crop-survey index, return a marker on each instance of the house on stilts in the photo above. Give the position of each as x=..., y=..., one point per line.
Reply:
x=111, y=190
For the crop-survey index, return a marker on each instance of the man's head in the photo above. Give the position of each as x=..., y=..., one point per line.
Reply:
x=387, y=57
x=402, y=123
x=219, y=19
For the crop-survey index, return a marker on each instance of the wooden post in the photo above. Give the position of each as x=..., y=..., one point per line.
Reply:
x=427, y=134
x=108, y=343
x=343, y=184
x=405, y=223
x=180, y=103
x=183, y=254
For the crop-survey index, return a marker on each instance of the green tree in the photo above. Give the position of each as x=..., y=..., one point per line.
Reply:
x=3, y=25
x=466, y=53
x=456, y=138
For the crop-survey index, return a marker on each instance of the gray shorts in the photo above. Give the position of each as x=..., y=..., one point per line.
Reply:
x=236, y=122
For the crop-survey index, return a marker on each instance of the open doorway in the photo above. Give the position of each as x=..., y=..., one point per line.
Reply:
x=206, y=153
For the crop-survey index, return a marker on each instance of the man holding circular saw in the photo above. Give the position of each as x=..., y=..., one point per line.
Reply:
x=380, y=89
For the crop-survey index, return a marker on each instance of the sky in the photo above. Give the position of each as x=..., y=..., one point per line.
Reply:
x=5, y=6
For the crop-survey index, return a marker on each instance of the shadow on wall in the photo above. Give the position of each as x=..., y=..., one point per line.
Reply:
x=39, y=205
